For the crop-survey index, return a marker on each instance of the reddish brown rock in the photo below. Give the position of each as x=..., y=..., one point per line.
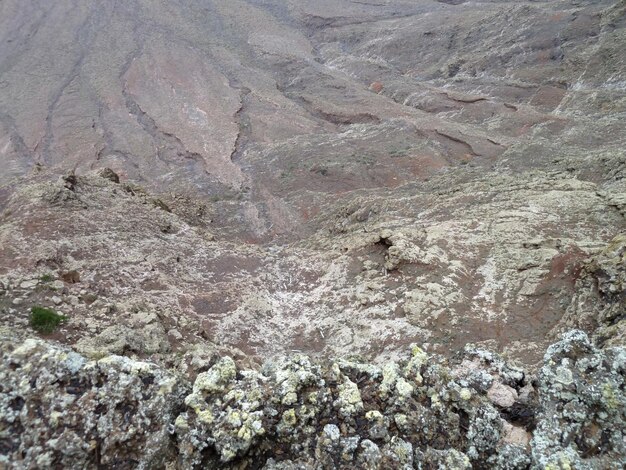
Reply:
x=376, y=87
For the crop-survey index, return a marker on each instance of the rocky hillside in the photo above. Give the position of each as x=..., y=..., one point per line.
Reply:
x=296, y=234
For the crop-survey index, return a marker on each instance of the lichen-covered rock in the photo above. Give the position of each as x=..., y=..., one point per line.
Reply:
x=484, y=432
x=349, y=401
x=59, y=410
x=343, y=414
x=510, y=457
x=448, y=459
x=220, y=417
x=401, y=250
x=481, y=360
x=217, y=378
x=582, y=423
x=118, y=339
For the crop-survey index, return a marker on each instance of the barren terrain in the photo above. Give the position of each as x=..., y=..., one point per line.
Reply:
x=260, y=178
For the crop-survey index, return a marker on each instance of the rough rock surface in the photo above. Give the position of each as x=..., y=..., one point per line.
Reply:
x=581, y=419
x=60, y=410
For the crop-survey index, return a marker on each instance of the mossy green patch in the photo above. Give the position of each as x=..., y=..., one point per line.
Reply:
x=45, y=320
x=47, y=278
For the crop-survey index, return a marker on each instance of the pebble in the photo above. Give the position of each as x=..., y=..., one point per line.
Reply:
x=502, y=395
x=516, y=435
x=30, y=284
x=175, y=334
x=525, y=393
x=18, y=301
x=56, y=300
x=143, y=318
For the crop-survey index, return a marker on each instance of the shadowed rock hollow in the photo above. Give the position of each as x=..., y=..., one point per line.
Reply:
x=294, y=184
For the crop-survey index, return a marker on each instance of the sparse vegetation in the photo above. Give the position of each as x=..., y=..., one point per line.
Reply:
x=400, y=152
x=45, y=320
x=365, y=159
x=47, y=278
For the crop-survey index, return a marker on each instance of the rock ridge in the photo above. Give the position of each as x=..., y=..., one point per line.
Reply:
x=61, y=410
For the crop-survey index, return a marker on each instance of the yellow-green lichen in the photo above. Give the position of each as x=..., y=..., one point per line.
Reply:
x=404, y=388
x=290, y=398
x=289, y=417
x=465, y=394
x=234, y=418
x=217, y=377
x=349, y=398
x=181, y=423
x=611, y=400
x=563, y=463
x=401, y=420
x=390, y=377
x=414, y=366
x=206, y=417
x=374, y=415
